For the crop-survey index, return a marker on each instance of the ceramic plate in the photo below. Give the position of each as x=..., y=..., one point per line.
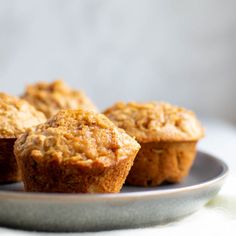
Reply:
x=133, y=207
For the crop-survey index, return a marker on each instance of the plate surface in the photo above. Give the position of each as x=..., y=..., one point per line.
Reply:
x=133, y=207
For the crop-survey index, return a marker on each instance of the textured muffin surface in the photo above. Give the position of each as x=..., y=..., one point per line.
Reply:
x=16, y=116
x=49, y=98
x=75, y=151
x=168, y=136
x=153, y=122
x=77, y=136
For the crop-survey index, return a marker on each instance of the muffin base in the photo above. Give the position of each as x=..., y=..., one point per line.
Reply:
x=9, y=171
x=161, y=162
x=73, y=177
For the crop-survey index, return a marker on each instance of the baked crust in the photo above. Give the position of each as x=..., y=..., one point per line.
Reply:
x=168, y=136
x=162, y=162
x=9, y=171
x=75, y=151
x=49, y=98
x=155, y=121
x=71, y=177
x=16, y=116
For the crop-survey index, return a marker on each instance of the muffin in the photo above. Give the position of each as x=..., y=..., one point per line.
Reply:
x=16, y=116
x=49, y=98
x=168, y=136
x=75, y=151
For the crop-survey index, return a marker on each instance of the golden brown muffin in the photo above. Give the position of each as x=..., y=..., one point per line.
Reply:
x=75, y=151
x=16, y=115
x=167, y=135
x=49, y=98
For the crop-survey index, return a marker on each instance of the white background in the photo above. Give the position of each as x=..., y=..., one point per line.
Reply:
x=180, y=51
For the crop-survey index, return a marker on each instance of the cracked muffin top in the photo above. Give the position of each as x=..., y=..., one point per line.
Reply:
x=155, y=121
x=49, y=98
x=77, y=136
x=17, y=115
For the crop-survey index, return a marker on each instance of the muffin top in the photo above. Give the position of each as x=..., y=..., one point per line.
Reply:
x=17, y=115
x=77, y=136
x=49, y=98
x=155, y=121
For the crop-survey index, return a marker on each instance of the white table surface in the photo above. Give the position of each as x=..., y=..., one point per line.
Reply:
x=216, y=218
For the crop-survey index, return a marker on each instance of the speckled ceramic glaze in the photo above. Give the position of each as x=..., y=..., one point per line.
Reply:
x=133, y=207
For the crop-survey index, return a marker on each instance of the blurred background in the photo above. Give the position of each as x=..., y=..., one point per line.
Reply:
x=181, y=51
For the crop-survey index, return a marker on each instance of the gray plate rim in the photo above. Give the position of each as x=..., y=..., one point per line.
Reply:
x=119, y=196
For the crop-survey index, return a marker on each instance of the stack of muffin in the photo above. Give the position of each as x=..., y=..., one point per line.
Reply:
x=54, y=140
